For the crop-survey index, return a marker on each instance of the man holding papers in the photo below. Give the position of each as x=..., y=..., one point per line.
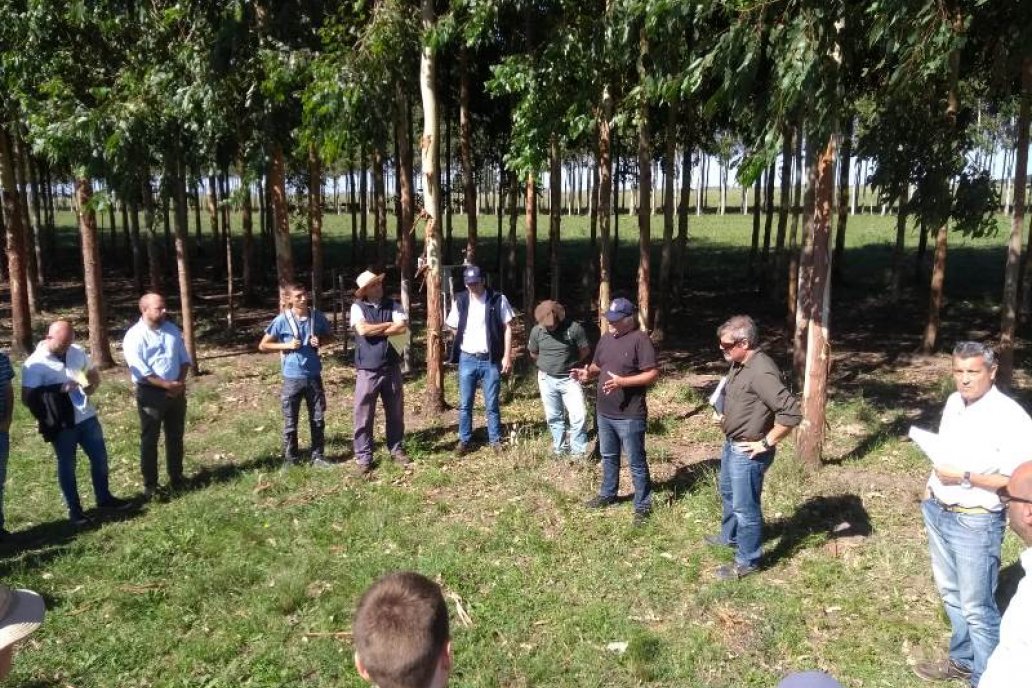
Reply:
x=378, y=323
x=983, y=437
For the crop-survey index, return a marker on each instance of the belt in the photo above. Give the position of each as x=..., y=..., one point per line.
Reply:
x=480, y=357
x=958, y=509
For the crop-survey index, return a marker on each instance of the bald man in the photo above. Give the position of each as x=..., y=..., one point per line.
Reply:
x=57, y=381
x=1010, y=665
x=158, y=362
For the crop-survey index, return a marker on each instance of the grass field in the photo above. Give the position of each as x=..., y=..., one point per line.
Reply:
x=250, y=577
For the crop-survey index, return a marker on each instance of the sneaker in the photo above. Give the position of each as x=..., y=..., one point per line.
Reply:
x=599, y=502
x=942, y=670
x=116, y=504
x=80, y=520
x=362, y=470
x=463, y=449
x=641, y=517
x=320, y=462
x=401, y=458
x=717, y=541
x=733, y=572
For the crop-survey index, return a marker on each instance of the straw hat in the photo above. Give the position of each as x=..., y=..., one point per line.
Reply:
x=366, y=279
x=21, y=613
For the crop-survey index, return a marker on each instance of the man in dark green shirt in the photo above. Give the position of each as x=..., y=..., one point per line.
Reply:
x=756, y=412
x=557, y=345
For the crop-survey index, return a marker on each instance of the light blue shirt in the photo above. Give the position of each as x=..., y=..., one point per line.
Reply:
x=160, y=352
x=303, y=363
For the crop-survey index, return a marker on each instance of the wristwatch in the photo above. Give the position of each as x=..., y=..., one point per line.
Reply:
x=965, y=482
x=765, y=443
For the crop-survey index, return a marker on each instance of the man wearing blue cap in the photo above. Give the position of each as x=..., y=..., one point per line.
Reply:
x=625, y=365
x=480, y=318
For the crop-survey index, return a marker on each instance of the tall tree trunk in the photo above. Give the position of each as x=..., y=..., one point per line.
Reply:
x=430, y=147
x=754, y=246
x=682, y=218
x=793, y=250
x=153, y=242
x=644, y=194
x=213, y=220
x=803, y=308
x=667, y=254
x=768, y=224
x=227, y=232
x=247, y=249
x=281, y=217
x=363, y=207
x=379, y=209
x=1012, y=270
x=93, y=277
x=406, y=252
x=353, y=211
x=39, y=225
x=499, y=209
x=315, y=225
x=446, y=190
x=783, y=209
x=32, y=282
x=896, y=273
x=604, y=116
x=134, y=243
x=513, y=249
x=529, y=262
x=21, y=315
x=555, y=203
x=843, y=205
x=810, y=436
x=465, y=153
x=182, y=241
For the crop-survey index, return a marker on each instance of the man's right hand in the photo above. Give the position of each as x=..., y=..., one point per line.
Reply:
x=175, y=388
x=294, y=344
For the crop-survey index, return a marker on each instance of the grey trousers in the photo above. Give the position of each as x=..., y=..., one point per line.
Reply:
x=386, y=384
x=157, y=411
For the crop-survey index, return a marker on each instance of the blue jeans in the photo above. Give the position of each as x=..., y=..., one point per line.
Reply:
x=627, y=434
x=88, y=435
x=741, y=484
x=965, y=553
x=310, y=389
x=559, y=394
x=472, y=372
x=5, y=452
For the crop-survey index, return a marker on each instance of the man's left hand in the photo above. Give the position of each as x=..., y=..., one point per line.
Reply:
x=314, y=341
x=506, y=365
x=612, y=384
x=753, y=449
x=948, y=475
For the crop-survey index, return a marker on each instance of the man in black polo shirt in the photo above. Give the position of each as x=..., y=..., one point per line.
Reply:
x=625, y=364
x=557, y=345
x=758, y=411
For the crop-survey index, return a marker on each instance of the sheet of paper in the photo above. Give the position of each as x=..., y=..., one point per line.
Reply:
x=932, y=445
x=716, y=399
x=400, y=342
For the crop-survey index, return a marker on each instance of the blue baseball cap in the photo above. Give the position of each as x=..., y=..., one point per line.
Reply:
x=619, y=309
x=471, y=275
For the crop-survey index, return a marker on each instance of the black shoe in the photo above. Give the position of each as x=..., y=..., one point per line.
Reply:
x=641, y=517
x=717, y=541
x=599, y=502
x=463, y=449
x=402, y=459
x=116, y=504
x=149, y=493
x=80, y=520
x=735, y=571
x=362, y=470
x=942, y=670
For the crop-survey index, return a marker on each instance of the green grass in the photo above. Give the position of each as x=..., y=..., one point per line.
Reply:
x=251, y=578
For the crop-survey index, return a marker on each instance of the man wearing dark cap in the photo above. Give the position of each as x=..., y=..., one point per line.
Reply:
x=480, y=318
x=557, y=345
x=625, y=365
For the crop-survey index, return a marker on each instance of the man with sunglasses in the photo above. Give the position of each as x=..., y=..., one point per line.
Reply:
x=758, y=411
x=1011, y=661
x=988, y=435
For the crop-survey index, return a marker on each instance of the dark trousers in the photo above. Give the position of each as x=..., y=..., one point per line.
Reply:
x=157, y=411
x=386, y=384
x=311, y=390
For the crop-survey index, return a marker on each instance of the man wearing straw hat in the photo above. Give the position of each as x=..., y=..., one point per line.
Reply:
x=380, y=327
x=21, y=613
x=557, y=345
x=297, y=334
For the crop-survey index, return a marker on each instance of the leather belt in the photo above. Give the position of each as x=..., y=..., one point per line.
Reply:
x=958, y=509
x=480, y=357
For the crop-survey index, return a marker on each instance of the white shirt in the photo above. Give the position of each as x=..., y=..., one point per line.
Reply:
x=356, y=316
x=993, y=436
x=1010, y=665
x=474, y=339
x=43, y=369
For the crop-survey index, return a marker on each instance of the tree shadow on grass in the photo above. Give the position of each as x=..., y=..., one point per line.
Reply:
x=832, y=517
x=1009, y=579
x=685, y=479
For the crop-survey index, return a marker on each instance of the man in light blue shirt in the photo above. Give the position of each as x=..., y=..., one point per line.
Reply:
x=156, y=355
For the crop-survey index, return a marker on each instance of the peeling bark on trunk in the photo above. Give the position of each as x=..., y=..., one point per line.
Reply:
x=379, y=210
x=843, y=205
x=605, y=189
x=406, y=252
x=182, y=248
x=93, y=277
x=21, y=315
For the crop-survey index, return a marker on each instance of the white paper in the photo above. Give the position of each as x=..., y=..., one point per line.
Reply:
x=932, y=445
x=400, y=342
x=716, y=399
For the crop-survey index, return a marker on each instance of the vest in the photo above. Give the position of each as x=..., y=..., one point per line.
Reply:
x=375, y=352
x=494, y=325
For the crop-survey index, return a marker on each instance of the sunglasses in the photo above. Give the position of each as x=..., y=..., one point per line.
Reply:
x=1006, y=499
x=727, y=346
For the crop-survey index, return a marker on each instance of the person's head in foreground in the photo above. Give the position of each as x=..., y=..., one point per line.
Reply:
x=1017, y=496
x=21, y=613
x=401, y=633
x=809, y=679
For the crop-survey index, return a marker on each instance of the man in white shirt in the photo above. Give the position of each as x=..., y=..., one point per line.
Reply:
x=1010, y=665
x=989, y=435
x=57, y=381
x=157, y=359
x=480, y=318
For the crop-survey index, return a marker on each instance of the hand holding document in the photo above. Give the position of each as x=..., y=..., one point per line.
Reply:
x=933, y=446
x=716, y=399
x=400, y=342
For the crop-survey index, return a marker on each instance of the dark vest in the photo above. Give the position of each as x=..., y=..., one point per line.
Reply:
x=495, y=326
x=375, y=352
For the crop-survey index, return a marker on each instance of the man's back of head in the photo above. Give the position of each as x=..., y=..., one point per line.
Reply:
x=401, y=633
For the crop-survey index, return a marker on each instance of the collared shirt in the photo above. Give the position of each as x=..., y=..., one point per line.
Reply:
x=559, y=350
x=397, y=314
x=149, y=351
x=474, y=340
x=1010, y=665
x=304, y=362
x=991, y=436
x=623, y=355
x=755, y=398
x=43, y=369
